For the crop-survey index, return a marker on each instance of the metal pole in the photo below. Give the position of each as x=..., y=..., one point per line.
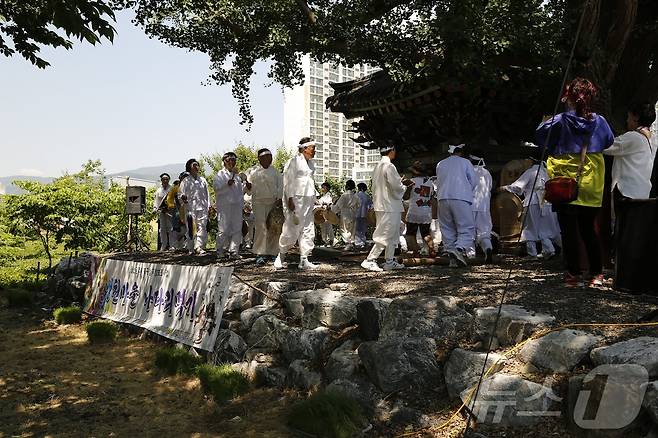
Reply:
x=38, y=270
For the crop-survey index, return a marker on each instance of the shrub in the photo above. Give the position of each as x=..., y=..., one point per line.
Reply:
x=68, y=315
x=101, y=331
x=19, y=298
x=174, y=360
x=222, y=382
x=327, y=415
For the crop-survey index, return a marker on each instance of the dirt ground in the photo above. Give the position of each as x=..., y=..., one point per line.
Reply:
x=53, y=383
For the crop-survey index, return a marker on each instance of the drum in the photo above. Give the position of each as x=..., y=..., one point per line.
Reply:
x=275, y=218
x=331, y=217
x=371, y=217
x=506, y=215
x=318, y=216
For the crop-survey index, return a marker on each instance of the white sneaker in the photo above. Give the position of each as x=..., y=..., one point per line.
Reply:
x=393, y=264
x=200, y=251
x=306, y=265
x=371, y=265
x=279, y=262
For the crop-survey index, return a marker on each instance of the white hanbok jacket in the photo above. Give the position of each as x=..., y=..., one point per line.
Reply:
x=298, y=177
x=196, y=190
x=387, y=187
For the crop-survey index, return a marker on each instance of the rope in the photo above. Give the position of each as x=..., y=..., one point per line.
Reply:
x=278, y=300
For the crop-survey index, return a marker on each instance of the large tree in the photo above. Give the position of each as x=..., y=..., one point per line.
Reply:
x=482, y=41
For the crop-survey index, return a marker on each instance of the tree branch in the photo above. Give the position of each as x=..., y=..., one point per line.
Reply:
x=311, y=15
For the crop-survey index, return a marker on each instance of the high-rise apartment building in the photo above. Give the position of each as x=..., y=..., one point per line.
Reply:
x=304, y=114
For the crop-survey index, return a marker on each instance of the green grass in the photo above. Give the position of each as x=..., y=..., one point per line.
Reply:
x=327, y=415
x=67, y=315
x=222, y=382
x=101, y=331
x=19, y=259
x=19, y=298
x=174, y=360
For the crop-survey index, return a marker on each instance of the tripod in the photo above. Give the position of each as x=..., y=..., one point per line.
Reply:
x=133, y=240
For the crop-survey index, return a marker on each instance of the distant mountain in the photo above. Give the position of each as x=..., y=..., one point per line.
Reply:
x=150, y=173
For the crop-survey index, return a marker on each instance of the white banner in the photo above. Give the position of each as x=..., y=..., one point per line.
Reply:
x=183, y=303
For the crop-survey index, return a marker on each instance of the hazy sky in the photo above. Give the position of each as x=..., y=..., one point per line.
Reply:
x=133, y=103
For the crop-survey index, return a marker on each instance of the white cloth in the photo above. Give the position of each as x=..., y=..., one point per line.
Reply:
x=200, y=220
x=325, y=200
x=456, y=223
x=348, y=229
x=226, y=194
x=540, y=224
x=167, y=235
x=327, y=233
x=160, y=194
x=347, y=205
x=483, y=228
x=303, y=232
x=420, y=207
x=523, y=185
x=386, y=235
x=387, y=187
x=298, y=177
x=631, y=169
x=266, y=184
x=196, y=191
x=266, y=242
x=229, y=228
x=482, y=189
x=455, y=179
x=365, y=204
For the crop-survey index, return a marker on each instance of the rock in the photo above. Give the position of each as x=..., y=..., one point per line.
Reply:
x=304, y=344
x=463, y=368
x=559, y=351
x=75, y=288
x=249, y=316
x=324, y=307
x=68, y=274
x=370, y=315
x=267, y=332
x=238, y=297
x=300, y=376
x=274, y=377
x=275, y=291
x=650, y=403
x=426, y=317
x=506, y=400
x=394, y=364
x=292, y=302
x=339, y=286
x=343, y=363
x=229, y=347
x=606, y=402
x=405, y=415
x=515, y=324
x=360, y=389
x=641, y=351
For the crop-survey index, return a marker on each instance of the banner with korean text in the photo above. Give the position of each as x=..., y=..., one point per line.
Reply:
x=183, y=303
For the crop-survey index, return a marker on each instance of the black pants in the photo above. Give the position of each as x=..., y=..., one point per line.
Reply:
x=575, y=220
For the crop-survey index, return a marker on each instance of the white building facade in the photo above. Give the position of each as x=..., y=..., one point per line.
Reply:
x=304, y=114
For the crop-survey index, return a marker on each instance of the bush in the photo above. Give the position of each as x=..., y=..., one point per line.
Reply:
x=222, y=382
x=328, y=415
x=101, y=331
x=68, y=315
x=174, y=360
x=19, y=298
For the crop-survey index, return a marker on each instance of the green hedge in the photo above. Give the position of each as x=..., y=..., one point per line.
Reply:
x=174, y=360
x=327, y=415
x=101, y=331
x=67, y=315
x=222, y=382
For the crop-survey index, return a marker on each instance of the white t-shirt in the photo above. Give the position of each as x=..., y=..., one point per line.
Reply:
x=631, y=169
x=420, y=207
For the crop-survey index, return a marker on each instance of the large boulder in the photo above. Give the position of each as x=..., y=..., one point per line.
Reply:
x=71, y=276
x=292, y=302
x=271, y=376
x=249, y=316
x=298, y=343
x=439, y=318
x=343, y=363
x=300, y=376
x=559, y=351
x=650, y=402
x=267, y=332
x=275, y=291
x=508, y=400
x=397, y=363
x=238, y=297
x=515, y=323
x=362, y=391
x=370, y=315
x=328, y=308
x=641, y=351
x=463, y=368
x=229, y=347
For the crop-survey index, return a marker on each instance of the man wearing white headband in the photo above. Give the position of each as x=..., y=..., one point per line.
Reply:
x=387, y=191
x=299, y=197
x=455, y=182
x=229, y=193
x=266, y=185
x=195, y=195
x=482, y=209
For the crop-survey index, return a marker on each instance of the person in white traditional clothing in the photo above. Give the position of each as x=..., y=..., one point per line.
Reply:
x=419, y=214
x=541, y=222
x=229, y=195
x=455, y=181
x=166, y=234
x=388, y=188
x=482, y=209
x=266, y=185
x=299, y=194
x=326, y=201
x=361, y=219
x=347, y=207
x=195, y=195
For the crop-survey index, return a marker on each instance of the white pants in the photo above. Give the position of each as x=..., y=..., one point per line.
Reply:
x=303, y=232
x=167, y=235
x=483, y=226
x=539, y=227
x=327, y=233
x=436, y=233
x=265, y=242
x=229, y=227
x=386, y=235
x=249, y=238
x=456, y=223
x=200, y=219
x=347, y=229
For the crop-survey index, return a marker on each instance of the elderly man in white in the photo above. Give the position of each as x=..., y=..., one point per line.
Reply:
x=299, y=196
x=266, y=185
x=229, y=194
x=167, y=235
x=387, y=191
x=455, y=181
x=194, y=190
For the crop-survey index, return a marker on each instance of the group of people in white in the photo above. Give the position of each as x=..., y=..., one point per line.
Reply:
x=451, y=206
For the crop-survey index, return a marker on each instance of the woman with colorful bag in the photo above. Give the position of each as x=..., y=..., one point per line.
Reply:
x=575, y=140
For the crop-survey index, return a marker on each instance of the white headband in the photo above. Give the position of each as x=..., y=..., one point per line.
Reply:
x=307, y=144
x=478, y=159
x=453, y=147
x=265, y=152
